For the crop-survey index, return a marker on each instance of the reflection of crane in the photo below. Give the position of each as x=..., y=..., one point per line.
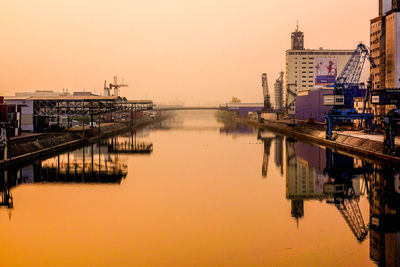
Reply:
x=115, y=86
x=279, y=152
x=267, y=140
x=347, y=204
x=341, y=169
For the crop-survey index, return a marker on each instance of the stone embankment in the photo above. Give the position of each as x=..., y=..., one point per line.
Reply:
x=360, y=146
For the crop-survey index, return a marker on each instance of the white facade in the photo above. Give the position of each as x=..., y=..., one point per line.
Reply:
x=300, y=74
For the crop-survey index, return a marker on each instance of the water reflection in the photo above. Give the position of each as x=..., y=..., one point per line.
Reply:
x=202, y=195
x=385, y=216
x=99, y=163
x=315, y=173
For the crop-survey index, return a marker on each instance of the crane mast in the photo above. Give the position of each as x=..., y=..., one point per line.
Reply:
x=267, y=98
x=113, y=86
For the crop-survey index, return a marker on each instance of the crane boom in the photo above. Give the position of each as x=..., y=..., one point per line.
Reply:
x=345, y=89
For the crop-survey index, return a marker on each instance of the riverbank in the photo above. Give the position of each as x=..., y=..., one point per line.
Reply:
x=361, y=146
x=39, y=146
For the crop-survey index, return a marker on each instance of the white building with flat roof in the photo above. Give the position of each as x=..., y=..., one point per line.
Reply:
x=309, y=68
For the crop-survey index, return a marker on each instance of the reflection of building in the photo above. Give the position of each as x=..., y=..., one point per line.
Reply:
x=306, y=178
x=303, y=68
x=279, y=152
x=385, y=218
x=309, y=170
x=267, y=138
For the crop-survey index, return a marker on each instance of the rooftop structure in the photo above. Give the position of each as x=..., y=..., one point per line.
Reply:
x=297, y=39
x=43, y=93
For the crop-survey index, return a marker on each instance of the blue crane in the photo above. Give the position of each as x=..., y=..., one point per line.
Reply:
x=346, y=88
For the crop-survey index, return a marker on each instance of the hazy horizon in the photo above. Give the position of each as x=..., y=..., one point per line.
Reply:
x=179, y=51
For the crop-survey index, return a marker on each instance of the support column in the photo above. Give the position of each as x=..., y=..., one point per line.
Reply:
x=83, y=118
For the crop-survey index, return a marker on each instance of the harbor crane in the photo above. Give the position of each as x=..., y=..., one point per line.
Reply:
x=267, y=98
x=116, y=86
x=345, y=89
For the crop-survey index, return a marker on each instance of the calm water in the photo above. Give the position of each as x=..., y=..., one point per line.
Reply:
x=206, y=193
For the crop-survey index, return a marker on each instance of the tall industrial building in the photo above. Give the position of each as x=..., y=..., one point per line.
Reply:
x=308, y=68
x=385, y=49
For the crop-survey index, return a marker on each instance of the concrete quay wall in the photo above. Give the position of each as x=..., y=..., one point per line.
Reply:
x=357, y=146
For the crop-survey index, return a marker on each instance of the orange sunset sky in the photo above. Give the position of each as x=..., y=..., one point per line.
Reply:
x=167, y=50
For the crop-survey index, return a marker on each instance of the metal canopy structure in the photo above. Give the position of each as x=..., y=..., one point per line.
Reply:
x=73, y=106
x=45, y=107
x=82, y=105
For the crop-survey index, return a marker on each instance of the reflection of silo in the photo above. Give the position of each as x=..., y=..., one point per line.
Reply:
x=279, y=152
x=291, y=167
x=279, y=92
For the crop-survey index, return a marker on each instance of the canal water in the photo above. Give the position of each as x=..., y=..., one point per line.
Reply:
x=200, y=190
